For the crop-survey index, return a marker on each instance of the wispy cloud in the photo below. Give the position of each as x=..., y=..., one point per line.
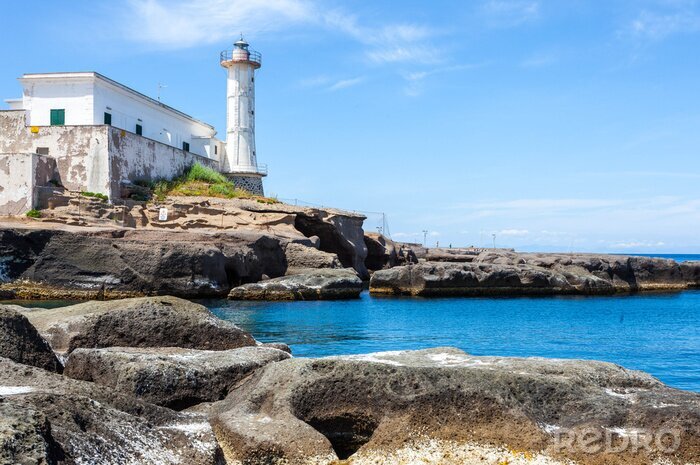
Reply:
x=414, y=79
x=345, y=83
x=186, y=23
x=677, y=17
x=181, y=24
x=327, y=83
x=510, y=13
x=540, y=60
x=513, y=232
x=637, y=244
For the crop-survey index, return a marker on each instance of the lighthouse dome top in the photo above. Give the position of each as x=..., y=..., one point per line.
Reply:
x=240, y=54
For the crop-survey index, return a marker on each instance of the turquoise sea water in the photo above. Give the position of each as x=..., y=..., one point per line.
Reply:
x=657, y=333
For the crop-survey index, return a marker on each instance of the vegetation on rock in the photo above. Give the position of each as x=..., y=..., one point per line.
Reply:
x=200, y=180
x=34, y=213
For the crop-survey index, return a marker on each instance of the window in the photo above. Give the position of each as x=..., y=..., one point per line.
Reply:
x=139, y=130
x=216, y=150
x=186, y=146
x=58, y=117
x=108, y=118
x=42, y=150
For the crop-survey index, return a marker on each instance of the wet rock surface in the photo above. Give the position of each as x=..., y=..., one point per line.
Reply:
x=22, y=343
x=331, y=284
x=138, y=322
x=381, y=405
x=173, y=377
x=47, y=418
x=512, y=273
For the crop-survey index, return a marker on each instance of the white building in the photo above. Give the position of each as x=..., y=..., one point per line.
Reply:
x=88, y=98
x=86, y=132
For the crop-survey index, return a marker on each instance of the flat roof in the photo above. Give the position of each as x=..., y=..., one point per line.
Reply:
x=96, y=75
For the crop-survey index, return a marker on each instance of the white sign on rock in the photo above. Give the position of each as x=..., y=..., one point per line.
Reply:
x=163, y=214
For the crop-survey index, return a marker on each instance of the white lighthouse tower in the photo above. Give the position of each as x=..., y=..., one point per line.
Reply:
x=240, y=161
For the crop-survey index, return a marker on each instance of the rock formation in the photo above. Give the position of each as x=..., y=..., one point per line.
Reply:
x=322, y=284
x=379, y=406
x=169, y=376
x=301, y=258
x=46, y=418
x=121, y=263
x=138, y=322
x=21, y=342
x=384, y=253
x=512, y=274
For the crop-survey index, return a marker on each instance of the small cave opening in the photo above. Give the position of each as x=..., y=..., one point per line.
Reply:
x=346, y=432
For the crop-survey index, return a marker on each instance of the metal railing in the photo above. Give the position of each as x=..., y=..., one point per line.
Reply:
x=235, y=55
x=254, y=169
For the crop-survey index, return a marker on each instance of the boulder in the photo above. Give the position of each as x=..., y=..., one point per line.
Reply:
x=115, y=263
x=302, y=257
x=330, y=284
x=384, y=253
x=46, y=418
x=508, y=273
x=21, y=342
x=173, y=377
x=444, y=406
x=138, y=322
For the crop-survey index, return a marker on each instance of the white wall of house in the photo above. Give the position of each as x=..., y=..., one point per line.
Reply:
x=86, y=97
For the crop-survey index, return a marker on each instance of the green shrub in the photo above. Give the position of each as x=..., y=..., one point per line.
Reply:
x=95, y=195
x=34, y=213
x=201, y=173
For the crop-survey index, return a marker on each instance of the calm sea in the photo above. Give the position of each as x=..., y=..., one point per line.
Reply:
x=657, y=333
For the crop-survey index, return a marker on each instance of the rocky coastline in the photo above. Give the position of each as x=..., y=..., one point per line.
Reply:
x=130, y=381
x=138, y=374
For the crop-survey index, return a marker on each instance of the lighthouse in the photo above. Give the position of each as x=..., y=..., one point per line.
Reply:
x=239, y=162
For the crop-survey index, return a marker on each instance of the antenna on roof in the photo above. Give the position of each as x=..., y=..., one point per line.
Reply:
x=160, y=86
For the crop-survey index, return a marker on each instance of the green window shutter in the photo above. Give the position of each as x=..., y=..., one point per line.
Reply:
x=108, y=118
x=58, y=117
x=139, y=130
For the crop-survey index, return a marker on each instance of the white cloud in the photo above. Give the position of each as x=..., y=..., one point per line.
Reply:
x=657, y=26
x=540, y=60
x=345, y=83
x=414, y=80
x=185, y=23
x=637, y=244
x=513, y=232
x=510, y=13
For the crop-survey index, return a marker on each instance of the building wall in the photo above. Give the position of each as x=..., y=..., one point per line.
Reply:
x=20, y=173
x=135, y=158
x=87, y=97
x=158, y=122
x=75, y=96
x=94, y=158
x=80, y=152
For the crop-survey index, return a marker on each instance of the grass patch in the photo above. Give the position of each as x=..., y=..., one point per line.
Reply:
x=200, y=181
x=34, y=213
x=95, y=195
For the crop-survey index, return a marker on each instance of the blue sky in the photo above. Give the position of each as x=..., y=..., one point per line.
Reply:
x=554, y=124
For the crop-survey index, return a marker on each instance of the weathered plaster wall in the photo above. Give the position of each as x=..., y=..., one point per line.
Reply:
x=19, y=174
x=95, y=158
x=136, y=158
x=80, y=151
